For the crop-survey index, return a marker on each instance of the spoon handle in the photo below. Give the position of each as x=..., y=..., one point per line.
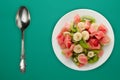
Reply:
x=22, y=61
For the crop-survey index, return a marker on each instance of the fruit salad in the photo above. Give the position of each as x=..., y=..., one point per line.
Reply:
x=83, y=40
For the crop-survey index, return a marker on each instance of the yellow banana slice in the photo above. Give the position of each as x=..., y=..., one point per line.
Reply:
x=66, y=33
x=81, y=26
x=85, y=35
x=78, y=49
x=90, y=54
x=77, y=36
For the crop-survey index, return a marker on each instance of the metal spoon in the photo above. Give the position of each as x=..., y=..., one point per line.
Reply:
x=22, y=21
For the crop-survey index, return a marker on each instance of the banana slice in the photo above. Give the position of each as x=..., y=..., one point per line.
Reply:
x=85, y=35
x=78, y=49
x=90, y=54
x=77, y=36
x=95, y=26
x=81, y=26
x=66, y=33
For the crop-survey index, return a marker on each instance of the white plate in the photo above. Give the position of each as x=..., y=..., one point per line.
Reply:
x=68, y=18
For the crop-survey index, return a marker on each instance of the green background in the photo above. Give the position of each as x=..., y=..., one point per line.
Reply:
x=42, y=63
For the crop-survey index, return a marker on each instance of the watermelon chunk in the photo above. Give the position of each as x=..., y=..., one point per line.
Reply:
x=59, y=35
x=67, y=41
x=77, y=19
x=87, y=24
x=72, y=47
x=67, y=26
x=105, y=40
x=102, y=28
x=62, y=46
x=67, y=53
x=81, y=65
x=82, y=59
x=99, y=35
x=68, y=38
x=67, y=44
x=92, y=29
x=60, y=39
x=94, y=44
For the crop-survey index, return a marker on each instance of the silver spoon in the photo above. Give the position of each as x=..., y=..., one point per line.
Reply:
x=22, y=21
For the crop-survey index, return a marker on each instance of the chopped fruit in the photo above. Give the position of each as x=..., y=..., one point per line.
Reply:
x=94, y=44
x=81, y=65
x=87, y=24
x=60, y=39
x=77, y=36
x=67, y=41
x=66, y=33
x=82, y=59
x=67, y=53
x=63, y=46
x=99, y=35
x=85, y=35
x=83, y=40
x=72, y=47
x=102, y=28
x=90, y=54
x=92, y=30
x=76, y=19
x=105, y=40
x=78, y=49
x=81, y=26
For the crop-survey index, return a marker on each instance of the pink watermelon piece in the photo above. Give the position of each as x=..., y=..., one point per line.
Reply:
x=102, y=28
x=60, y=39
x=62, y=46
x=95, y=47
x=82, y=59
x=105, y=40
x=81, y=65
x=77, y=19
x=87, y=24
x=67, y=44
x=68, y=38
x=65, y=29
x=64, y=40
x=92, y=30
x=67, y=41
x=101, y=53
x=67, y=53
x=99, y=35
x=72, y=47
x=59, y=35
x=94, y=44
x=67, y=26
x=92, y=34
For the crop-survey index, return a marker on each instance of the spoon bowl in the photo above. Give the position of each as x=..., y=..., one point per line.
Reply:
x=23, y=18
